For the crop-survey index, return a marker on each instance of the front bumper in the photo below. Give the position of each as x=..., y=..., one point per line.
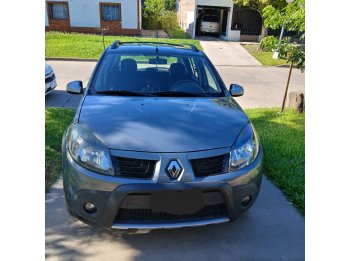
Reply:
x=126, y=203
x=50, y=86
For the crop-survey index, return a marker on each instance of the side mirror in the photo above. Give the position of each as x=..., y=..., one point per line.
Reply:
x=75, y=87
x=236, y=90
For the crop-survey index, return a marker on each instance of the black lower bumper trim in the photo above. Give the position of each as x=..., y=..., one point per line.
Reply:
x=113, y=206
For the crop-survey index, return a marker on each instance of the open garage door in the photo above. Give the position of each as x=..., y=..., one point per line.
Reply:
x=211, y=21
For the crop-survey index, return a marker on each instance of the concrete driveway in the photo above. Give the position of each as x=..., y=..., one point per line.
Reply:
x=264, y=86
x=271, y=230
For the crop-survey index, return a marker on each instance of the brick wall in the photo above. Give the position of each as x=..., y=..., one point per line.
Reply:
x=96, y=30
x=58, y=24
x=249, y=38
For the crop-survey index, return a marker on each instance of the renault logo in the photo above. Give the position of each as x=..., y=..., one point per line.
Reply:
x=174, y=169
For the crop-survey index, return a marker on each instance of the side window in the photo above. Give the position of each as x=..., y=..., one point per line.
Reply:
x=211, y=80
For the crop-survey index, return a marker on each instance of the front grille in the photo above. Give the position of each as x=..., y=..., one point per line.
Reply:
x=210, y=166
x=212, y=211
x=50, y=78
x=133, y=168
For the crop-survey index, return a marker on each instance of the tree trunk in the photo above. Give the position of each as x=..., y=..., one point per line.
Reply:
x=296, y=100
x=287, y=86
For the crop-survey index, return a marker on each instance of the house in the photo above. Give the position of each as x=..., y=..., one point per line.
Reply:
x=91, y=16
x=236, y=23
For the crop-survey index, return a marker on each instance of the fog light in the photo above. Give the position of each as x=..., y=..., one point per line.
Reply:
x=90, y=208
x=245, y=201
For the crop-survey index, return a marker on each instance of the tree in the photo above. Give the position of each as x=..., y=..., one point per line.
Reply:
x=170, y=5
x=153, y=9
x=259, y=5
x=292, y=17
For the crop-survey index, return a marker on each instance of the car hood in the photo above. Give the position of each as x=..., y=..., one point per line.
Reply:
x=164, y=124
x=48, y=69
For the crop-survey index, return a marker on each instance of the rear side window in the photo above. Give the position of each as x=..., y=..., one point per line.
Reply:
x=211, y=18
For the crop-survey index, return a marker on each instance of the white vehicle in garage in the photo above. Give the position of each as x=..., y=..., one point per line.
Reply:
x=210, y=24
x=50, y=79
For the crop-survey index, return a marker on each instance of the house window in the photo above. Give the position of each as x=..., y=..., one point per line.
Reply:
x=58, y=10
x=111, y=12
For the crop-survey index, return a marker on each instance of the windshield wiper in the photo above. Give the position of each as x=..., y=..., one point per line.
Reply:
x=123, y=93
x=180, y=94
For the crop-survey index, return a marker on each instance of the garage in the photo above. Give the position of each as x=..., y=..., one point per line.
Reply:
x=214, y=16
x=211, y=21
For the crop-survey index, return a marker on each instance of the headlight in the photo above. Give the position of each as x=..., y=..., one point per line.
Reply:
x=88, y=151
x=245, y=148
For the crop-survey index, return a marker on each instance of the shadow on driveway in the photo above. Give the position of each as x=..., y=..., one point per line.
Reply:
x=60, y=98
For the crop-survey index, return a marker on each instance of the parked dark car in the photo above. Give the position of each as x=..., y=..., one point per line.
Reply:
x=159, y=142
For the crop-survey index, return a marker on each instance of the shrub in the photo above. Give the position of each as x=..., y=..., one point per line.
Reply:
x=153, y=9
x=168, y=20
x=156, y=17
x=170, y=5
x=269, y=43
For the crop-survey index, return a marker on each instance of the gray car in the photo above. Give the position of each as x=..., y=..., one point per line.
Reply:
x=159, y=142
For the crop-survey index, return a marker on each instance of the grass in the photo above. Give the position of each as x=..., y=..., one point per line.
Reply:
x=283, y=140
x=265, y=58
x=282, y=137
x=57, y=120
x=76, y=45
x=177, y=33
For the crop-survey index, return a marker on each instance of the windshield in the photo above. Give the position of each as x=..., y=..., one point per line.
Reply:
x=132, y=74
x=211, y=18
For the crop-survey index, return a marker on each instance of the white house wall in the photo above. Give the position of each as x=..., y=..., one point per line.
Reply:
x=86, y=13
x=46, y=17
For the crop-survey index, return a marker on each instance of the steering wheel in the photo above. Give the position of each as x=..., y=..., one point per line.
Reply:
x=187, y=86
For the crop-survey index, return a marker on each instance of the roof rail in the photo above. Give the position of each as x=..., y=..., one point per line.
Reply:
x=193, y=47
x=116, y=43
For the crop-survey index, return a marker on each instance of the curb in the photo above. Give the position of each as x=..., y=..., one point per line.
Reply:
x=72, y=59
x=284, y=66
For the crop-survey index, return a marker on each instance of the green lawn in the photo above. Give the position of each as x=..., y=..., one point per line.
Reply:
x=75, y=45
x=57, y=120
x=283, y=140
x=265, y=58
x=282, y=136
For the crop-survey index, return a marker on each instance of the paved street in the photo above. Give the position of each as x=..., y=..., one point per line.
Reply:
x=271, y=230
x=264, y=86
x=67, y=71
